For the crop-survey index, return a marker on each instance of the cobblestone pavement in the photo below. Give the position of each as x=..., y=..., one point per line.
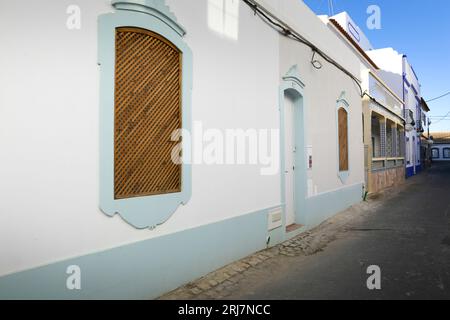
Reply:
x=225, y=282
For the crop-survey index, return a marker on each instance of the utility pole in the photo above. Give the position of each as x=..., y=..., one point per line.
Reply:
x=331, y=8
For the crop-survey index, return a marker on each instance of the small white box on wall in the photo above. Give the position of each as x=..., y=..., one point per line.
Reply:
x=275, y=219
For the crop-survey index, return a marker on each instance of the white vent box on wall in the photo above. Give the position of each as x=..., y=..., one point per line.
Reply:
x=275, y=218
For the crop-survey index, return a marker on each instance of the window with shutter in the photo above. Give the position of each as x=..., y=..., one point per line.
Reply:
x=343, y=139
x=146, y=78
x=147, y=111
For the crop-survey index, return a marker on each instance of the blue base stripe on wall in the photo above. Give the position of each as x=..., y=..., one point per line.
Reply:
x=146, y=269
x=324, y=206
x=149, y=268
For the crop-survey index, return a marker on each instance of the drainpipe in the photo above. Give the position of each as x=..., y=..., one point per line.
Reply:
x=403, y=83
x=404, y=109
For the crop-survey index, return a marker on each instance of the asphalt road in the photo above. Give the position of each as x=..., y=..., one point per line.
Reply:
x=408, y=237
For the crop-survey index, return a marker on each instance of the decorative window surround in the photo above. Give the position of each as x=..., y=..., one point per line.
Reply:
x=446, y=153
x=341, y=102
x=155, y=16
x=435, y=153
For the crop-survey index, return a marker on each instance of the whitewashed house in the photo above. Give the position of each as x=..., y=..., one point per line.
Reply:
x=440, y=149
x=97, y=199
x=383, y=123
x=424, y=130
x=398, y=73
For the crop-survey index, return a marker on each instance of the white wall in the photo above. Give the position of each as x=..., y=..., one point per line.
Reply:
x=441, y=148
x=322, y=89
x=49, y=128
x=353, y=30
x=49, y=94
x=392, y=64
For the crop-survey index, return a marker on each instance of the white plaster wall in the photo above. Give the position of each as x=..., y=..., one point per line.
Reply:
x=49, y=128
x=413, y=105
x=49, y=123
x=441, y=148
x=322, y=89
x=392, y=64
x=356, y=33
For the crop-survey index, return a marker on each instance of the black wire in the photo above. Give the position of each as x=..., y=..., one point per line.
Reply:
x=316, y=63
x=288, y=32
x=444, y=95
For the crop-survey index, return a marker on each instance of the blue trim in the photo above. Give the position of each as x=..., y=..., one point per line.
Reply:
x=438, y=153
x=418, y=168
x=357, y=36
x=149, y=268
x=406, y=81
x=156, y=8
x=293, y=84
x=409, y=172
x=414, y=72
x=448, y=154
x=415, y=90
x=142, y=212
x=325, y=205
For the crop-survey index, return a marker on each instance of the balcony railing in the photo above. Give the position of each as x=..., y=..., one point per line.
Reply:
x=387, y=163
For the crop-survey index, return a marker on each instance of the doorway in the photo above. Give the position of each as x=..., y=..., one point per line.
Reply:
x=290, y=151
x=294, y=164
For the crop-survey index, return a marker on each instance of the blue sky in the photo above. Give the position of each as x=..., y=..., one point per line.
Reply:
x=418, y=28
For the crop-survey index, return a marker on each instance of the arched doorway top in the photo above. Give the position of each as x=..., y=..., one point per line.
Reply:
x=293, y=80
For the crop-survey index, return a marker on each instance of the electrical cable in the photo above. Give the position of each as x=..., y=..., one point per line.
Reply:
x=440, y=97
x=443, y=118
x=284, y=29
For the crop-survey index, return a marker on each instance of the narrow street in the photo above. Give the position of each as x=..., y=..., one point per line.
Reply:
x=405, y=233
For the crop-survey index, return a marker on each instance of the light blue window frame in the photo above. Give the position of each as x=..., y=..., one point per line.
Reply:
x=341, y=102
x=155, y=16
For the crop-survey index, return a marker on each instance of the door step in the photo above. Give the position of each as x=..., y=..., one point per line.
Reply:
x=293, y=227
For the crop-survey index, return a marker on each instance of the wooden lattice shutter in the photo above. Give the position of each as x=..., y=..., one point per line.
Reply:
x=343, y=139
x=147, y=111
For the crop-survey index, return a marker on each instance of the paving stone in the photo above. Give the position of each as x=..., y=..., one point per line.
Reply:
x=254, y=262
x=237, y=268
x=231, y=272
x=245, y=265
x=211, y=294
x=228, y=283
x=196, y=291
x=204, y=285
x=213, y=283
x=262, y=257
x=219, y=288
